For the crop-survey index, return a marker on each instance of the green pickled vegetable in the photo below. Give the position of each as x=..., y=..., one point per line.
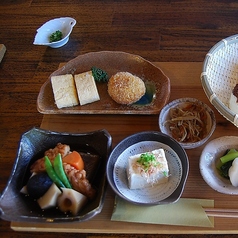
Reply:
x=56, y=36
x=225, y=162
x=59, y=170
x=99, y=75
x=224, y=169
x=51, y=173
x=229, y=156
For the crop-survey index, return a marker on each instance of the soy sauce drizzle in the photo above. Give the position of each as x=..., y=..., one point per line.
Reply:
x=149, y=95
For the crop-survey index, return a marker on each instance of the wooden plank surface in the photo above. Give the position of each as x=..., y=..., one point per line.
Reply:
x=163, y=31
x=185, y=80
x=2, y=51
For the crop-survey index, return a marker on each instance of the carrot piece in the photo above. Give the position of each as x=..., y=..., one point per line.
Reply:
x=74, y=159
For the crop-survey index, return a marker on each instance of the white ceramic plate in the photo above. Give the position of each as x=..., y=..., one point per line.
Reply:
x=151, y=194
x=210, y=157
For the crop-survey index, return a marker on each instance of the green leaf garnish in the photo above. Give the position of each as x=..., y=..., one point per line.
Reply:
x=99, y=75
x=56, y=36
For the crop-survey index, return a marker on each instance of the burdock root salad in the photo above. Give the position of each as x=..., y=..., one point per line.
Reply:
x=59, y=180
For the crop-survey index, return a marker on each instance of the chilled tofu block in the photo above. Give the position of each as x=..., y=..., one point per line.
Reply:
x=150, y=173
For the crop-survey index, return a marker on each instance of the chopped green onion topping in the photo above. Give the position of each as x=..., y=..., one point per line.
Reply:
x=147, y=160
x=165, y=173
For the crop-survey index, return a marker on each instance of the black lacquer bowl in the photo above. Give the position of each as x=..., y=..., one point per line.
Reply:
x=15, y=206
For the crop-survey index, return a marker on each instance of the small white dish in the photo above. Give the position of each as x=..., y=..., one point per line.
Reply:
x=209, y=159
x=183, y=102
x=63, y=24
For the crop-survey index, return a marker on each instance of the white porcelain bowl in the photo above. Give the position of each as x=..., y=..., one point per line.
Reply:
x=209, y=160
x=182, y=102
x=63, y=24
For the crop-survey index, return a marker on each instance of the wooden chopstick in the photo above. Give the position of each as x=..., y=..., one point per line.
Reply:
x=221, y=212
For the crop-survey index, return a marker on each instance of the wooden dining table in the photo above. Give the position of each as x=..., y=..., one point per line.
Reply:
x=174, y=35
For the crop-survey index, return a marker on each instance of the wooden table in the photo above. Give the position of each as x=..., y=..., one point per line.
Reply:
x=120, y=126
x=160, y=31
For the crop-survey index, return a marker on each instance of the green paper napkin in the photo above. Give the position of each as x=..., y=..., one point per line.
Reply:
x=185, y=212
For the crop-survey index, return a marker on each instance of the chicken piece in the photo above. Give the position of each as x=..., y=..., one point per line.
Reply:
x=79, y=181
x=39, y=165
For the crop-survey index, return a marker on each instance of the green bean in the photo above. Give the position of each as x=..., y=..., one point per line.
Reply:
x=51, y=173
x=59, y=170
